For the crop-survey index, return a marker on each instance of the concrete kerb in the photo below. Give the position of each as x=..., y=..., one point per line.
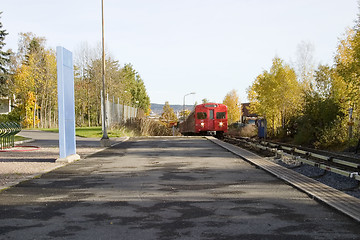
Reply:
x=76, y=157
x=24, y=141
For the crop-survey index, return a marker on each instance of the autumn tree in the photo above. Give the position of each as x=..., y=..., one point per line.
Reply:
x=347, y=65
x=123, y=84
x=88, y=86
x=321, y=114
x=34, y=81
x=276, y=95
x=168, y=114
x=84, y=86
x=232, y=101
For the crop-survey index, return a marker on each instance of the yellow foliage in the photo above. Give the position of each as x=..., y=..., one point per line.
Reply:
x=345, y=49
x=346, y=82
x=276, y=95
x=35, y=83
x=232, y=101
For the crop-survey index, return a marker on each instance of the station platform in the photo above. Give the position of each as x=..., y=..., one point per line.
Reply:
x=166, y=188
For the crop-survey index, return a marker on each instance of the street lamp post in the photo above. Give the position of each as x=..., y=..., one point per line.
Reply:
x=184, y=104
x=105, y=138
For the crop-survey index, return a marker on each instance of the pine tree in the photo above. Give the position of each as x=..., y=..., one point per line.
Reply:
x=4, y=60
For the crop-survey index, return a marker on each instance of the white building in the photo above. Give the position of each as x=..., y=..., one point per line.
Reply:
x=5, y=105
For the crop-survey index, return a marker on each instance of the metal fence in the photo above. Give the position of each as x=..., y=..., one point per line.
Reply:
x=117, y=113
x=8, y=131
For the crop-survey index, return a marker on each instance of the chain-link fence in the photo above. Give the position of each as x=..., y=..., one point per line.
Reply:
x=117, y=113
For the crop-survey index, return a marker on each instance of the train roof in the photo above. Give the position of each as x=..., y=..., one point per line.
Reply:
x=211, y=105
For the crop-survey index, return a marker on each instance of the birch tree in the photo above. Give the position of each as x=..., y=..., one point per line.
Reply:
x=34, y=81
x=276, y=95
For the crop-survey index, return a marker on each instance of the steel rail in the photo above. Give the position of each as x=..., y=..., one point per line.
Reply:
x=328, y=166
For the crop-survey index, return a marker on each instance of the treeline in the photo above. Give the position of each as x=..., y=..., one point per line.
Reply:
x=315, y=106
x=123, y=84
x=29, y=78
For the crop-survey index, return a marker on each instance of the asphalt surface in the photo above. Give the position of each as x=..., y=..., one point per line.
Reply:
x=165, y=188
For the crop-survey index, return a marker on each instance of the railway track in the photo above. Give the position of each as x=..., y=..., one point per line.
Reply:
x=331, y=162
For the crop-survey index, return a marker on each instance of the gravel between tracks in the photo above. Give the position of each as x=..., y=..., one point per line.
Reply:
x=339, y=182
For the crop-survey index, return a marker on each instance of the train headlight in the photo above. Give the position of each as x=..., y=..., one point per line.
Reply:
x=221, y=124
x=202, y=124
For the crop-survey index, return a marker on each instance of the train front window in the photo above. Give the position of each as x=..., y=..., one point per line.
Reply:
x=201, y=115
x=211, y=114
x=220, y=115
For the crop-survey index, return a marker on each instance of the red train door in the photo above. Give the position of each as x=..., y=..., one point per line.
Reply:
x=211, y=119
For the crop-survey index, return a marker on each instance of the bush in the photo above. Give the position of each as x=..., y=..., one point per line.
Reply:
x=13, y=116
x=333, y=137
x=320, y=123
x=247, y=130
x=149, y=127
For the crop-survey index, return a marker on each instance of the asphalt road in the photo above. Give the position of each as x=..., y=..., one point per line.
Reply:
x=165, y=188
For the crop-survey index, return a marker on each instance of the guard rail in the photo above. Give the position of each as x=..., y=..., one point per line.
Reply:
x=8, y=130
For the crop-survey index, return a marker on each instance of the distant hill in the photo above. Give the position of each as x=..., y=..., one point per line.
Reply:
x=158, y=108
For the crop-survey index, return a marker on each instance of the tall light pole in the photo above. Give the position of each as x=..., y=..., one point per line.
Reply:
x=105, y=137
x=184, y=104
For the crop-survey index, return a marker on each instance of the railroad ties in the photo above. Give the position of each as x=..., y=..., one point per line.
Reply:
x=342, y=202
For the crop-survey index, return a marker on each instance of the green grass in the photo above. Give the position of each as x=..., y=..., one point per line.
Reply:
x=56, y=130
x=89, y=132
x=96, y=132
x=20, y=138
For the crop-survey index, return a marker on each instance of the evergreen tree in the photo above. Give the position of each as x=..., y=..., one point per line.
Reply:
x=142, y=100
x=4, y=60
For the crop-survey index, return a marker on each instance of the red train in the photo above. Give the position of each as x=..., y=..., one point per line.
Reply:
x=207, y=118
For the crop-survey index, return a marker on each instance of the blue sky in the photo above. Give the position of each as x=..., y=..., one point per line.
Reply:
x=180, y=46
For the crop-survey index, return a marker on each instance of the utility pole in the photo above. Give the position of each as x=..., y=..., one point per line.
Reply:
x=105, y=139
x=184, y=104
